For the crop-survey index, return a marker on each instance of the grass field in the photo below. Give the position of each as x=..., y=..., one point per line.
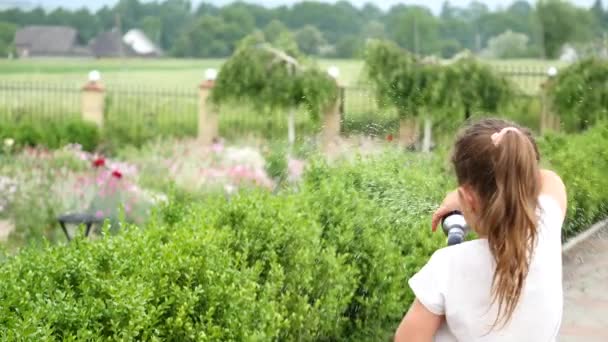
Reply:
x=165, y=73
x=183, y=73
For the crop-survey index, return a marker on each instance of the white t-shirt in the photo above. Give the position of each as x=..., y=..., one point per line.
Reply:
x=457, y=283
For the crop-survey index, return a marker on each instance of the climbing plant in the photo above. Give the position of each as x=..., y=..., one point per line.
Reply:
x=272, y=79
x=421, y=87
x=579, y=94
x=400, y=78
x=471, y=86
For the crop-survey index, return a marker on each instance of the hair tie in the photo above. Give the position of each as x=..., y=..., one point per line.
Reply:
x=497, y=137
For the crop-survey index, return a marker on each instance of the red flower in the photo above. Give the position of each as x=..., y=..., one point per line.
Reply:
x=116, y=174
x=389, y=138
x=99, y=162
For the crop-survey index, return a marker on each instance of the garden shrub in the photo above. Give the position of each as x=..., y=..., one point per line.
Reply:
x=327, y=260
x=52, y=134
x=581, y=160
x=579, y=94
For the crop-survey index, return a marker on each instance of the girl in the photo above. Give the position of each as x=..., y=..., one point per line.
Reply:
x=507, y=285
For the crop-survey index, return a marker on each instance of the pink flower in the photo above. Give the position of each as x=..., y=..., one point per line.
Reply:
x=217, y=148
x=295, y=168
x=99, y=214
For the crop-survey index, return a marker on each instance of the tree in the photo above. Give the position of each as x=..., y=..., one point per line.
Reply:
x=402, y=80
x=508, y=44
x=579, y=94
x=274, y=30
x=7, y=33
x=374, y=30
x=175, y=16
x=203, y=39
x=272, y=80
x=309, y=40
x=561, y=23
x=414, y=28
x=152, y=27
x=349, y=47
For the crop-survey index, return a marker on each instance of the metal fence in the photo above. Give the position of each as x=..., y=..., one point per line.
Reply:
x=135, y=114
x=27, y=101
x=527, y=78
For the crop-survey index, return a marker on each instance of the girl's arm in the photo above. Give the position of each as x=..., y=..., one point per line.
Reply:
x=419, y=325
x=553, y=186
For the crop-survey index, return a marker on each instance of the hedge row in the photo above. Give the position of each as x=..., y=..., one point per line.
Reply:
x=327, y=261
x=582, y=162
x=51, y=133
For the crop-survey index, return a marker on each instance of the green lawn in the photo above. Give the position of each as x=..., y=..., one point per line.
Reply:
x=187, y=73
x=163, y=73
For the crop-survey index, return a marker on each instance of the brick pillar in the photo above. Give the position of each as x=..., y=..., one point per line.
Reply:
x=332, y=118
x=208, y=120
x=93, y=98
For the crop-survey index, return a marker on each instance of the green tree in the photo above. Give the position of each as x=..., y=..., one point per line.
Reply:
x=204, y=38
x=414, y=28
x=152, y=27
x=508, y=44
x=274, y=30
x=272, y=80
x=310, y=40
x=560, y=23
x=374, y=30
x=7, y=34
x=349, y=47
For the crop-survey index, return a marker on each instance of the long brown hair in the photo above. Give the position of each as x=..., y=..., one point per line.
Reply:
x=505, y=177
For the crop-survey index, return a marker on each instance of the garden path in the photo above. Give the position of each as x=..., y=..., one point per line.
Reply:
x=586, y=289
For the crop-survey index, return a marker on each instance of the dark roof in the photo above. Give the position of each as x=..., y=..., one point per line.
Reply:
x=51, y=40
x=110, y=44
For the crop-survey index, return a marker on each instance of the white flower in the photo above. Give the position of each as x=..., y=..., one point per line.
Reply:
x=8, y=142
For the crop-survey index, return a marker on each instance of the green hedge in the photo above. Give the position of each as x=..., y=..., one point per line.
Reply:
x=327, y=260
x=582, y=162
x=51, y=133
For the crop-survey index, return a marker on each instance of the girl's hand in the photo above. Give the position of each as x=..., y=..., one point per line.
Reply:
x=450, y=203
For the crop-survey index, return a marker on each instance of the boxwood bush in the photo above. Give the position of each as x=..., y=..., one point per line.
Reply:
x=327, y=260
x=51, y=133
x=582, y=162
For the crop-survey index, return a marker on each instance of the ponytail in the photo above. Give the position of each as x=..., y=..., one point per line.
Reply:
x=500, y=161
x=511, y=219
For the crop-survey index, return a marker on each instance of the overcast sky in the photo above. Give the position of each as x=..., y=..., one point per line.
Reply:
x=435, y=5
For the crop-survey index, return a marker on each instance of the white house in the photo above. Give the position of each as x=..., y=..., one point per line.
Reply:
x=141, y=44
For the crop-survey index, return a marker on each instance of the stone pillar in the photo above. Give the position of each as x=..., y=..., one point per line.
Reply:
x=208, y=120
x=408, y=132
x=332, y=118
x=93, y=99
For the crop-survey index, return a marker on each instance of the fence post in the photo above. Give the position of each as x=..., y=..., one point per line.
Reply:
x=332, y=113
x=208, y=121
x=408, y=132
x=93, y=99
x=549, y=121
